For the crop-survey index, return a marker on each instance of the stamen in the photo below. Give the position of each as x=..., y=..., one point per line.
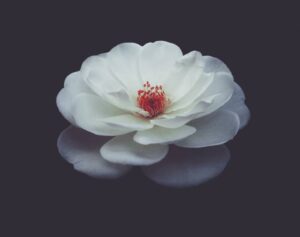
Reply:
x=152, y=99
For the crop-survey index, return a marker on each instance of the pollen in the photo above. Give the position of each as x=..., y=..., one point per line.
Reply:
x=152, y=99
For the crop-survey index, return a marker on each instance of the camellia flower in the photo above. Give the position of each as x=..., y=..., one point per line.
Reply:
x=146, y=98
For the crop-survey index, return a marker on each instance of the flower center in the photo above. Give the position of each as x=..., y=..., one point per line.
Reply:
x=152, y=99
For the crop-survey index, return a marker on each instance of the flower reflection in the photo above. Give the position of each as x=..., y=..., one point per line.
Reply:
x=188, y=167
x=81, y=149
x=181, y=168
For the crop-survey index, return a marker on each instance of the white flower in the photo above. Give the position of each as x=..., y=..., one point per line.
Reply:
x=147, y=97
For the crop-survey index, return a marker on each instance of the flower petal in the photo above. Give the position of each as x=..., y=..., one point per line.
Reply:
x=213, y=64
x=73, y=86
x=185, y=116
x=215, y=96
x=82, y=150
x=213, y=77
x=237, y=104
x=171, y=122
x=129, y=121
x=123, y=61
x=188, y=73
x=98, y=75
x=123, y=150
x=201, y=85
x=163, y=135
x=156, y=61
x=212, y=130
x=89, y=112
x=64, y=101
x=186, y=167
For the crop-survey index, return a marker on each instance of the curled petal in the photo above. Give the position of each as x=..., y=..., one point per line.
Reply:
x=211, y=77
x=237, y=104
x=216, y=95
x=212, y=64
x=163, y=135
x=81, y=149
x=129, y=121
x=212, y=130
x=188, y=73
x=73, y=86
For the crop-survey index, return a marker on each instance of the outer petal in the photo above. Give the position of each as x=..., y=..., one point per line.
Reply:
x=213, y=64
x=186, y=167
x=123, y=62
x=237, y=105
x=129, y=121
x=156, y=61
x=90, y=112
x=123, y=150
x=201, y=85
x=214, y=78
x=188, y=73
x=82, y=150
x=172, y=122
x=101, y=79
x=163, y=135
x=212, y=130
x=96, y=73
x=73, y=86
x=219, y=85
x=218, y=93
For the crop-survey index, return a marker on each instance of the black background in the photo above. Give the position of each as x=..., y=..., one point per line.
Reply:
x=44, y=196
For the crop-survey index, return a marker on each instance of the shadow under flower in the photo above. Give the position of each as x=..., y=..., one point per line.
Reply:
x=180, y=168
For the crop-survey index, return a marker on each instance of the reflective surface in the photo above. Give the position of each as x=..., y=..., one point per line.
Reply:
x=190, y=167
x=181, y=167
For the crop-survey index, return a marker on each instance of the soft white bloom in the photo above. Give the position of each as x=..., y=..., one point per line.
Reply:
x=147, y=97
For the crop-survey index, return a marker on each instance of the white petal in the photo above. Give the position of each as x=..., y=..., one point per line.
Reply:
x=163, y=135
x=187, y=72
x=82, y=150
x=237, y=105
x=216, y=95
x=172, y=122
x=201, y=85
x=184, y=116
x=156, y=61
x=214, y=78
x=244, y=114
x=98, y=75
x=212, y=130
x=213, y=64
x=64, y=101
x=73, y=86
x=123, y=150
x=123, y=61
x=88, y=112
x=188, y=167
x=129, y=121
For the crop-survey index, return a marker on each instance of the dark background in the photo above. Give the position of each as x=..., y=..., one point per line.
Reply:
x=42, y=194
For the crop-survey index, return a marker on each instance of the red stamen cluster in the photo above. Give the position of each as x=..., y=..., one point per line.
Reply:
x=152, y=99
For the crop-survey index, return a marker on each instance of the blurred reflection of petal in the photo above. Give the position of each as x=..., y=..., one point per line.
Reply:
x=188, y=167
x=82, y=150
